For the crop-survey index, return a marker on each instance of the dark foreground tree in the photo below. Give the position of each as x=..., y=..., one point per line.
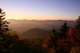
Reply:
x=7, y=40
x=63, y=30
x=78, y=22
x=10, y=43
x=3, y=23
x=77, y=32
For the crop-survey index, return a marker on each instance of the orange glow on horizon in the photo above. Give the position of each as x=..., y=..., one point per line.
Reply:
x=31, y=16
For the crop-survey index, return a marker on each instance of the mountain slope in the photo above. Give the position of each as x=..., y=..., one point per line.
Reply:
x=35, y=33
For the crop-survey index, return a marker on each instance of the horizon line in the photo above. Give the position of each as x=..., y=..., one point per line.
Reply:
x=42, y=20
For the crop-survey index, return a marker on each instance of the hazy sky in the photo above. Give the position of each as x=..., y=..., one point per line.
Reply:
x=41, y=9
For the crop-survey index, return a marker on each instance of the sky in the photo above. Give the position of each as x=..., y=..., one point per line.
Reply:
x=41, y=9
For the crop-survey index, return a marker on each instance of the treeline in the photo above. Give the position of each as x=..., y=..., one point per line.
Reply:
x=64, y=40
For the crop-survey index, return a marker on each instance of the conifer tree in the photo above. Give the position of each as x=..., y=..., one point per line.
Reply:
x=78, y=22
x=77, y=31
x=54, y=38
x=5, y=39
x=3, y=23
x=63, y=30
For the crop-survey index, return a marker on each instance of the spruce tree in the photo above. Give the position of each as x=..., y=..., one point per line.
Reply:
x=3, y=23
x=78, y=22
x=63, y=30
x=77, y=31
x=54, y=38
x=7, y=40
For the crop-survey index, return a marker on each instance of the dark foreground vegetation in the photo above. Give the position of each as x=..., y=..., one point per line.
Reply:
x=65, y=40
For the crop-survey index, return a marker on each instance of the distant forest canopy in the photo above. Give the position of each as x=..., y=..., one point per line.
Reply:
x=65, y=39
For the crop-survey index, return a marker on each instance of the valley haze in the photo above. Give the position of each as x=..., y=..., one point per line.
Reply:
x=22, y=26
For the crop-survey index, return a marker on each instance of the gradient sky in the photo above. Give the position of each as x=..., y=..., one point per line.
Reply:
x=41, y=9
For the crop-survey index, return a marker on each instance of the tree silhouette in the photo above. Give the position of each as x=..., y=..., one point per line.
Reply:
x=7, y=40
x=77, y=31
x=63, y=30
x=53, y=38
x=78, y=22
x=3, y=22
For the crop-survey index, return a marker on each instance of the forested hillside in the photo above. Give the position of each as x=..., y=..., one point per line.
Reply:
x=66, y=39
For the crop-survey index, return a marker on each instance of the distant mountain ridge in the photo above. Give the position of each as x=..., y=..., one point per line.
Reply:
x=24, y=25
